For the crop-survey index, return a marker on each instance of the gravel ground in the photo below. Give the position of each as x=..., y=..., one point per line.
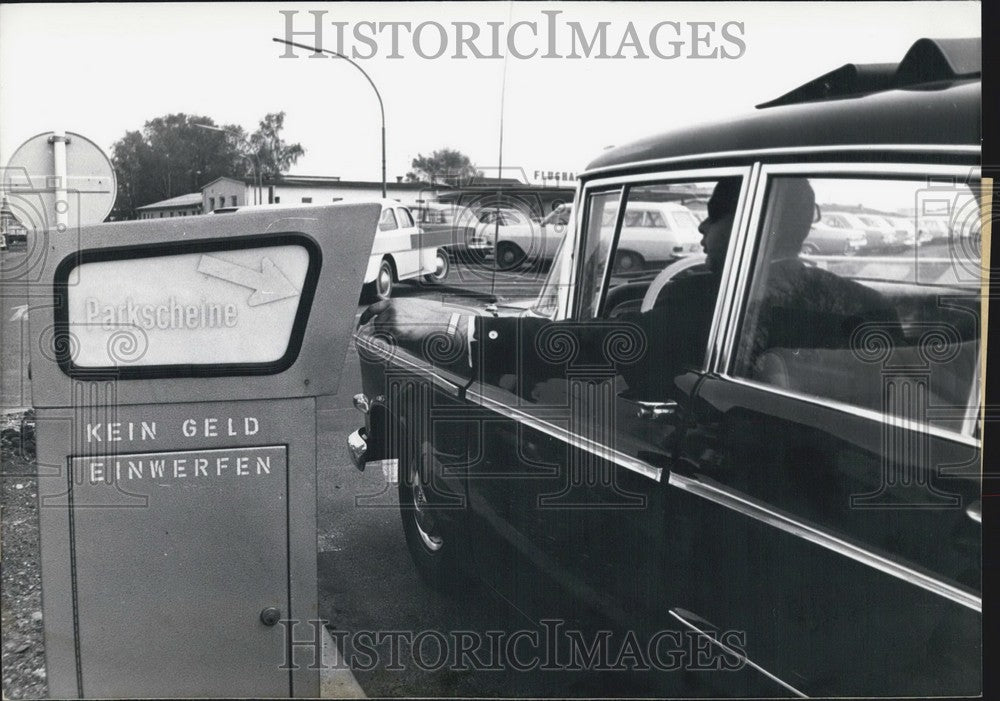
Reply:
x=22, y=643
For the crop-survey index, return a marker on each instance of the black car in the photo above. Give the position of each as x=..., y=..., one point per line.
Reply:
x=776, y=453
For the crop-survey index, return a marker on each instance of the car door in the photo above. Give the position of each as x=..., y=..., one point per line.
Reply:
x=833, y=461
x=568, y=486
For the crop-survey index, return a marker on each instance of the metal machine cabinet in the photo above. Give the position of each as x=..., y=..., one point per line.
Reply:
x=175, y=373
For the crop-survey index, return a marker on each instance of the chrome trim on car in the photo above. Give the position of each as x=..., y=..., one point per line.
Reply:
x=559, y=433
x=602, y=290
x=746, y=660
x=821, y=168
x=758, y=511
x=786, y=151
x=412, y=362
x=733, y=265
x=879, y=416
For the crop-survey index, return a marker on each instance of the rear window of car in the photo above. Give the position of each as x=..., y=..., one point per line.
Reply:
x=685, y=220
x=856, y=327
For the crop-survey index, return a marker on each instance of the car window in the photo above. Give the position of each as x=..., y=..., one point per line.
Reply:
x=847, y=321
x=660, y=242
x=657, y=220
x=685, y=219
x=405, y=220
x=388, y=221
x=642, y=252
x=632, y=218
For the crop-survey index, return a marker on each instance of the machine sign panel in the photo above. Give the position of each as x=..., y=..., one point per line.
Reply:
x=218, y=307
x=186, y=466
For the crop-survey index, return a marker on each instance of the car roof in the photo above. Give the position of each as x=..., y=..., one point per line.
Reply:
x=947, y=115
x=930, y=98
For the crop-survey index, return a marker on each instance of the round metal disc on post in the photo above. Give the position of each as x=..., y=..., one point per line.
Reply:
x=83, y=196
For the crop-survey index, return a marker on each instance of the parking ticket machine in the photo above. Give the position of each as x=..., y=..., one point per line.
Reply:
x=175, y=371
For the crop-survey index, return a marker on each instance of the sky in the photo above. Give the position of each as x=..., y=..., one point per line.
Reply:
x=103, y=69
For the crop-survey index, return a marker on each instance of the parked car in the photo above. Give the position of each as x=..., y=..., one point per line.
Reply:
x=488, y=220
x=402, y=251
x=767, y=449
x=881, y=237
x=654, y=232
x=907, y=232
x=937, y=228
x=827, y=240
x=448, y=225
x=521, y=240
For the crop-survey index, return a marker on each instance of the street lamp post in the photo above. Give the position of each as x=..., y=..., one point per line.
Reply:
x=381, y=107
x=254, y=162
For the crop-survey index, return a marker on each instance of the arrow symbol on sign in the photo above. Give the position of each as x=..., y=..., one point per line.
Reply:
x=268, y=284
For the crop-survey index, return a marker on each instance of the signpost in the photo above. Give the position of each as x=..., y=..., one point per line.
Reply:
x=68, y=174
x=174, y=379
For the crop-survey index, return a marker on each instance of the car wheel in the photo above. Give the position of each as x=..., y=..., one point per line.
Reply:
x=441, y=268
x=384, y=280
x=433, y=547
x=627, y=262
x=509, y=256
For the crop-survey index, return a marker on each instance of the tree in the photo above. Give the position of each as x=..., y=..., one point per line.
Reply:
x=273, y=154
x=172, y=156
x=443, y=166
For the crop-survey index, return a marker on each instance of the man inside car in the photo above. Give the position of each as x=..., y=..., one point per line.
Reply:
x=676, y=328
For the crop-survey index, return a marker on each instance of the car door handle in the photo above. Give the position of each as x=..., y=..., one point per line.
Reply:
x=658, y=410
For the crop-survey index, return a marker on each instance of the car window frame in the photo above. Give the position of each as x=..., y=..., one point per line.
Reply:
x=400, y=212
x=749, y=235
x=611, y=182
x=563, y=271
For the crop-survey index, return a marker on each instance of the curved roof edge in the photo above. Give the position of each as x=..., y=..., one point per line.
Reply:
x=946, y=113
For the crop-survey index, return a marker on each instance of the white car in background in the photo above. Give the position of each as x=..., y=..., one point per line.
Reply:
x=907, y=232
x=520, y=241
x=654, y=232
x=401, y=250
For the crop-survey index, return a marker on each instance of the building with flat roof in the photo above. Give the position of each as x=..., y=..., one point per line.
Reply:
x=187, y=205
x=535, y=200
x=310, y=189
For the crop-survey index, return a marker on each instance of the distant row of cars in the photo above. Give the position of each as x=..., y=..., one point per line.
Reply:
x=422, y=244
x=652, y=233
x=660, y=231
x=851, y=233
